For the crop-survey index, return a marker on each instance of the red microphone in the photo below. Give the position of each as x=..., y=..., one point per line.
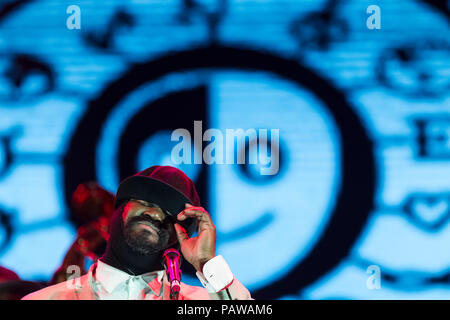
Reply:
x=172, y=265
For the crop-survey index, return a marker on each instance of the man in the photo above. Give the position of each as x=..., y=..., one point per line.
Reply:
x=156, y=209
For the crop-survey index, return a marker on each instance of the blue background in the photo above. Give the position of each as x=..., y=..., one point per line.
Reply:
x=395, y=83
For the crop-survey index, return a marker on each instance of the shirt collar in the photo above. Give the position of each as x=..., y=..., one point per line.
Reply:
x=110, y=277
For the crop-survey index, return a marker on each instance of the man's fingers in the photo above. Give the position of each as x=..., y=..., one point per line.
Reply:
x=181, y=233
x=201, y=215
x=191, y=211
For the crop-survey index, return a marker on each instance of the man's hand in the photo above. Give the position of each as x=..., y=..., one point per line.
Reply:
x=198, y=250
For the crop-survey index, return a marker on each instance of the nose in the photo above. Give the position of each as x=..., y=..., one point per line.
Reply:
x=155, y=214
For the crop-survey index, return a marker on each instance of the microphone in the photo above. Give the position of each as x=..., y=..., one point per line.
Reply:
x=172, y=264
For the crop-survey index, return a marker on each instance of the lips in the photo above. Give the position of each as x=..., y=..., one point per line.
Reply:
x=149, y=224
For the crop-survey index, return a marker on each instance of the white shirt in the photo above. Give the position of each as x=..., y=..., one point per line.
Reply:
x=104, y=282
x=110, y=283
x=114, y=284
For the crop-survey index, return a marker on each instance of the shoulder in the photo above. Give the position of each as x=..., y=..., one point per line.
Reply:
x=68, y=290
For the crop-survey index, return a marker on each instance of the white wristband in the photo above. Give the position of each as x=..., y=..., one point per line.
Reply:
x=216, y=274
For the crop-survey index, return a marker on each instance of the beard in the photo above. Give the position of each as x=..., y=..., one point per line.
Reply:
x=143, y=241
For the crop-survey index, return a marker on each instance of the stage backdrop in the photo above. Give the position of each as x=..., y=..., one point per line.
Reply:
x=362, y=107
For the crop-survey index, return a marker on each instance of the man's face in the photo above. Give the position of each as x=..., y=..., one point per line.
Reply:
x=147, y=229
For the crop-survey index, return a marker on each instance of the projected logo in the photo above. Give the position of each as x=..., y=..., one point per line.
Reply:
x=292, y=234
x=279, y=233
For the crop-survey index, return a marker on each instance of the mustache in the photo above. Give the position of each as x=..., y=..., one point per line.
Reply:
x=146, y=218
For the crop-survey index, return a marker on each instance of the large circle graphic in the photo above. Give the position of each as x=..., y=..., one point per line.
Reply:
x=353, y=193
